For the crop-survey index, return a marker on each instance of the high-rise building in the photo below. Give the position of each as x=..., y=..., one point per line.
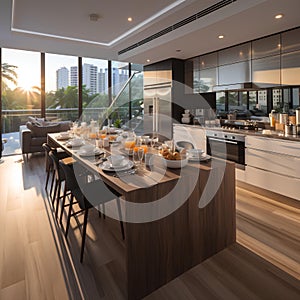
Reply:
x=62, y=78
x=74, y=76
x=89, y=77
x=101, y=86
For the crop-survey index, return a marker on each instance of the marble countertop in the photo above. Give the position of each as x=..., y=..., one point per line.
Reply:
x=261, y=133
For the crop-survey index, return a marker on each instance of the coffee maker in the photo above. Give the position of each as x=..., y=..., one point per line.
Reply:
x=298, y=120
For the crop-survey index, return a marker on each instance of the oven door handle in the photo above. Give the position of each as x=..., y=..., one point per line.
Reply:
x=223, y=141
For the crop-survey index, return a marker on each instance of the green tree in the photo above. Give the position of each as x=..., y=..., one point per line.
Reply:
x=8, y=74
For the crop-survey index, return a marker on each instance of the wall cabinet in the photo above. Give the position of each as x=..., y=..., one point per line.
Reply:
x=273, y=165
x=266, y=71
x=235, y=54
x=267, y=46
x=290, y=64
x=290, y=40
x=235, y=73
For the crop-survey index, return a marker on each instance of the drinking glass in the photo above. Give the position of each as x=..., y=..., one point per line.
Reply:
x=135, y=156
x=141, y=155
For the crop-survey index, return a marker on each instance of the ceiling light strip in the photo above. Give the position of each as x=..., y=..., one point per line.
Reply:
x=183, y=22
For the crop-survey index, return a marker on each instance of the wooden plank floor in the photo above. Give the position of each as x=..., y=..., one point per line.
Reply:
x=37, y=262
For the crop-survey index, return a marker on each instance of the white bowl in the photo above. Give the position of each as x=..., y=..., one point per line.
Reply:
x=175, y=164
x=116, y=160
x=186, y=115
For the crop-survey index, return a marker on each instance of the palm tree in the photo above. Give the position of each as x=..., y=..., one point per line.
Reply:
x=9, y=74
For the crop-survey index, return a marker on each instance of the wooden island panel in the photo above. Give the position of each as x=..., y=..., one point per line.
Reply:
x=161, y=250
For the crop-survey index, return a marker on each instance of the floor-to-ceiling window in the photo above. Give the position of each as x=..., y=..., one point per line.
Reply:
x=61, y=87
x=95, y=95
x=21, y=93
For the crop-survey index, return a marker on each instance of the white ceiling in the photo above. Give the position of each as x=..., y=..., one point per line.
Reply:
x=64, y=27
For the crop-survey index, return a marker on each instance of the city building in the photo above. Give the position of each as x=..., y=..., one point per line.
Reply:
x=74, y=76
x=89, y=78
x=62, y=78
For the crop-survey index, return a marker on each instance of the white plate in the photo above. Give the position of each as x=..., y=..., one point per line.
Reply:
x=70, y=144
x=63, y=137
x=96, y=151
x=126, y=165
x=201, y=158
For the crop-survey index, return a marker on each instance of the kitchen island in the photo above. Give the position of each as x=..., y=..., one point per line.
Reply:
x=174, y=218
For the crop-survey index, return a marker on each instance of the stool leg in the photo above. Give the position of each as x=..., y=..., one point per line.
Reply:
x=47, y=179
x=83, y=234
x=63, y=204
x=54, y=193
x=57, y=200
x=69, y=215
x=52, y=183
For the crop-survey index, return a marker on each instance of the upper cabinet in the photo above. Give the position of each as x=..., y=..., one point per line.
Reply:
x=267, y=46
x=266, y=62
x=164, y=72
x=290, y=68
x=266, y=71
x=290, y=40
x=235, y=54
x=235, y=73
x=208, y=61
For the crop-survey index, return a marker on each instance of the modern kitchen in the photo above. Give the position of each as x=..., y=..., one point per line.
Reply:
x=222, y=223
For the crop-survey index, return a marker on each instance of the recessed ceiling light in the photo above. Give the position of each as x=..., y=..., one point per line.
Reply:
x=94, y=17
x=221, y=36
x=279, y=16
x=129, y=19
x=148, y=60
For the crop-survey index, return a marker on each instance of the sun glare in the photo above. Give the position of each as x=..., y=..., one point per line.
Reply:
x=26, y=85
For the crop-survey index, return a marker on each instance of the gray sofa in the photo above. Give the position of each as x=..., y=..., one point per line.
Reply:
x=34, y=134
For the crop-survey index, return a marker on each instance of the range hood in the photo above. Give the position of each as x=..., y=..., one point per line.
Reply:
x=235, y=87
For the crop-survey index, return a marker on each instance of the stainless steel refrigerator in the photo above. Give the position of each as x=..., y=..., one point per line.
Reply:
x=158, y=109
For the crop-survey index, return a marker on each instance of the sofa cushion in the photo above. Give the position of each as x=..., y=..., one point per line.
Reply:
x=37, y=130
x=37, y=121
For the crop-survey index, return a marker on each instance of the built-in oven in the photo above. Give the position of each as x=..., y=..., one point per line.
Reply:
x=227, y=145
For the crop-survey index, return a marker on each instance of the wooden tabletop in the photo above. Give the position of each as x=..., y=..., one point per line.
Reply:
x=147, y=177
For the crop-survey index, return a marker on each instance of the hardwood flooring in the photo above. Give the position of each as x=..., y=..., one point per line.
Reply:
x=37, y=262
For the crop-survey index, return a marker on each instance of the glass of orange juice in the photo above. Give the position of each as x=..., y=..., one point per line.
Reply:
x=103, y=133
x=129, y=144
x=145, y=147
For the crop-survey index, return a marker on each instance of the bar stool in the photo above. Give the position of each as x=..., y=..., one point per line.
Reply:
x=59, y=179
x=88, y=195
x=49, y=163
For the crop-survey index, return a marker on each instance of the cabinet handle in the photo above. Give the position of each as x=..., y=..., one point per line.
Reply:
x=222, y=141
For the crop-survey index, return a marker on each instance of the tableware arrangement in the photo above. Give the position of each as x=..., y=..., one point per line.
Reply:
x=75, y=142
x=195, y=152
x=107, y=165
x=116, y=160
x=203, y=157
x=89, y=150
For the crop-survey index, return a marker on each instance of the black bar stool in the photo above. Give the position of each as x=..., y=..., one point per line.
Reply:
x=88, y=195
